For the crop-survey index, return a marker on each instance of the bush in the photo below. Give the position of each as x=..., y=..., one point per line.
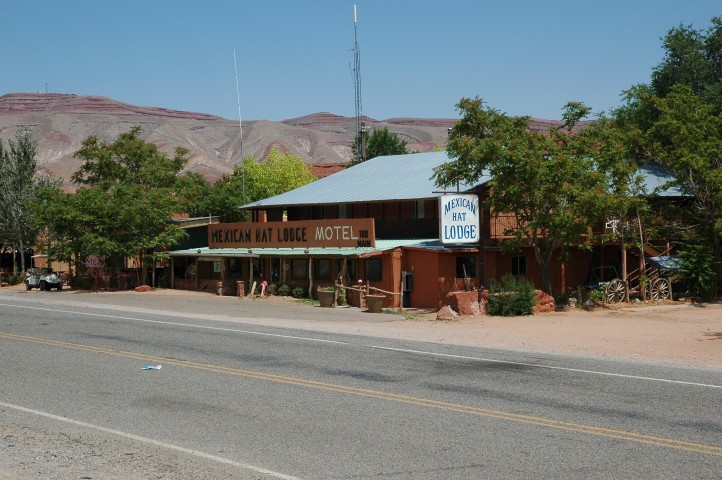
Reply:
x=596, y=295
x=272, y=289
x=511, y=297
x=341, y=300
x=298, y=292
x=561, y=298
x=15, y=279
x=284, y=290
x=697, y=268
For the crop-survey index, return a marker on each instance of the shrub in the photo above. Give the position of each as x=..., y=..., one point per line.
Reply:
x=561, y=298
x=341, y=300
x=596, y=295
x=511, y=297
x=697, y=268
x=298, y=292
x=284, y=290
x=15, y=279
x=272, y=289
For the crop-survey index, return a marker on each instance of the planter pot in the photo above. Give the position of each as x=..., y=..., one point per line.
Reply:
x=375, y=303
x=325, y=298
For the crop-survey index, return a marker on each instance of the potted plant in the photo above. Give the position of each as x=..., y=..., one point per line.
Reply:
x=326, y=296
x=375, y=303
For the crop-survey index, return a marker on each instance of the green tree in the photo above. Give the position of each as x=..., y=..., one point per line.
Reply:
x=193, y=192
x=121, y=210
x=280, y=173
x=676, y=120
x=381, y=142
x=128, y=160
x=686, y=138
x=693, y=58
x=18, y=186
x=550, y=182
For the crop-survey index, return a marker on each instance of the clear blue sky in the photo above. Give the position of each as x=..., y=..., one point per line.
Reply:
x=418, y=58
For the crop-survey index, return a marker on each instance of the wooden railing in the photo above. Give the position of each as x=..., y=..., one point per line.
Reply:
x=499, y=224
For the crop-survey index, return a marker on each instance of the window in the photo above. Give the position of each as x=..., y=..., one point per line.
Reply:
x=518, y=266
x=257, y=267
x=465, y=267
x=373, y=270
x=322, y=269
x=316, y=212
x=275, y=269
x=418, y=209
x=342, y=211
x=234, y=267
x=298, y=269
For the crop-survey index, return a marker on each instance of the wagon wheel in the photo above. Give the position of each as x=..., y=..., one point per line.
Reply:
x=660, y=289
x=191, y=271
x=615, y=291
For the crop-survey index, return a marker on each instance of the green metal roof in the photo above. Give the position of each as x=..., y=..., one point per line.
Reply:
x=381, y=246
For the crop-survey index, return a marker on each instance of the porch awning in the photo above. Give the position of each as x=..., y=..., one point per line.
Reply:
x=381, y=246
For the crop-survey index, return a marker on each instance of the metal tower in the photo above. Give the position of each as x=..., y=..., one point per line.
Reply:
x=356, y=76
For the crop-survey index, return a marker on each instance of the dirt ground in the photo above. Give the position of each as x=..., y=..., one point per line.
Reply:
x=681, y=333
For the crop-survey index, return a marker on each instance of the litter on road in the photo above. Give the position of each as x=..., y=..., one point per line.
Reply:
x=151, y=367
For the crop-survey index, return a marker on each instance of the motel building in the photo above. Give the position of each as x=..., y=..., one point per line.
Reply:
x=383, y=223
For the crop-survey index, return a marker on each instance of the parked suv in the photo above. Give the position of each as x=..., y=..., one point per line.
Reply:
x=43, y=278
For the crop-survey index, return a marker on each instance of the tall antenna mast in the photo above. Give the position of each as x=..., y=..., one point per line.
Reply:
x=240, y=128
x=356, y=76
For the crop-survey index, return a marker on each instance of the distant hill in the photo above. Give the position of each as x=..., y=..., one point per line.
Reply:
x=61, y=121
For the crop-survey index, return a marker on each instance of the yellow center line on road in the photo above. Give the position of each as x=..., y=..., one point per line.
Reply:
x=406, y=399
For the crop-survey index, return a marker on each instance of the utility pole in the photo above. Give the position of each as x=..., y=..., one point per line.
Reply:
x=240, y=129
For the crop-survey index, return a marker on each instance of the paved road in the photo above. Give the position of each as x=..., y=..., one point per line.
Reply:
x=269, y=402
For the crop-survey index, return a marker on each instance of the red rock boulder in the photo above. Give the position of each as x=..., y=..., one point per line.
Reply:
x=466, y=303
x=544, y=303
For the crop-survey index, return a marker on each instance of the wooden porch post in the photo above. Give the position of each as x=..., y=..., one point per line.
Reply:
x=310, y=278
x=250, y=275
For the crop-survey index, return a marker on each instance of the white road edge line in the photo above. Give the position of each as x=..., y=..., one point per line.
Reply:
x=379, y=347
x=178, y=324
x=549, y=367
x=150, y=441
